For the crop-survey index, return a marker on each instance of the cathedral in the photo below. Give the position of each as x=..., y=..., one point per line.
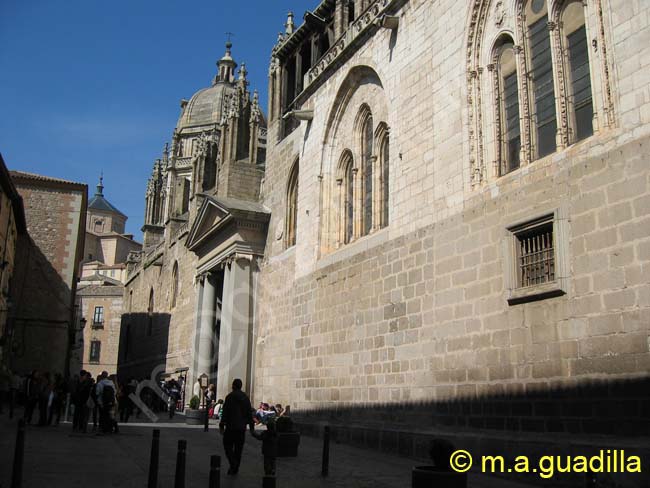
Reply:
x=444, y=220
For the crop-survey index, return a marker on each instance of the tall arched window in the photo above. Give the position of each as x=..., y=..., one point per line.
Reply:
x=507, y=106
x=384, y=180
x=347, y=190
x=150, y=314
x=292, y=206
x=367, y=167
x=175, y=279
x=576, y=51
x=540, y=72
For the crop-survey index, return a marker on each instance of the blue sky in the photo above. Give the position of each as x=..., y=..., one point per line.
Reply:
x=89, y=86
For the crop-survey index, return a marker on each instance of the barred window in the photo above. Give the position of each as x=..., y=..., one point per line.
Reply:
x=537, y=264
x=95, y=349
x=535, y=255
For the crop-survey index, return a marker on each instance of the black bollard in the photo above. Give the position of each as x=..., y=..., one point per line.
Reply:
x=215, y=472
x=207, y=420
x=19, y=453
x=326, y=452
x=12, y=400
x=268, y=482
x=179, y=480
x=153, y=462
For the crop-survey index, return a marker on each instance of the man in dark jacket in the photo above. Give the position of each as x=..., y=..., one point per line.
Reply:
x=236, y=416
x=80, y=401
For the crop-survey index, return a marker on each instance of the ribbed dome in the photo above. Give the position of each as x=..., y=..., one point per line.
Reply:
x=206, y=106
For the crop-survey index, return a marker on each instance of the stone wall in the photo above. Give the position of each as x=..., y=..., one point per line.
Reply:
x=170, y=344
x=418, y=311
x=48, y=265
x=108, y=334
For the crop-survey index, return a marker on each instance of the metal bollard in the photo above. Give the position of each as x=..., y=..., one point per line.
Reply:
x=12, y=400
x=179, y=479
x=19, y=454
x=207, y=420
x=325, y=469
x=153, y=462
x=215, y=472
x=67, y=407
x=268, y=482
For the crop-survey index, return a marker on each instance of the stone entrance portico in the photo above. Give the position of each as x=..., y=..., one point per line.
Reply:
x=228, y=238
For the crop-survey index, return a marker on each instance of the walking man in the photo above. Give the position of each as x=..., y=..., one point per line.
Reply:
x=234, y=420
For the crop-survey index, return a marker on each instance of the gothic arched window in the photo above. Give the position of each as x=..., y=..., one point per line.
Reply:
x=175, y=279
x=507, y=107
x=367, y=169
x=576, y=52
x=384, y=180
x=540, y=71
x=150, y=313
x=347, y=197
x=292, y=207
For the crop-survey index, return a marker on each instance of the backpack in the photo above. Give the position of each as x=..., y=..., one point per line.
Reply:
x=108, y=395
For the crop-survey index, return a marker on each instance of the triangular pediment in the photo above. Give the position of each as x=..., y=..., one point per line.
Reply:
x=210, y=217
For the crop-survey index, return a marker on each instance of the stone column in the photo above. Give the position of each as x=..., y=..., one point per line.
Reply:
x=236, y=327
x=204, y=359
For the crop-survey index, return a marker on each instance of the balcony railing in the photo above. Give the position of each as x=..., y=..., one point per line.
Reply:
x=97, y=324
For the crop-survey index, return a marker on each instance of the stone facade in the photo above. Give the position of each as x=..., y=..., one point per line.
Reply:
x=189, y=290
x=101, y=286
x=48, y=262
x=12, y=223
x=421, y=203
x=422, y=314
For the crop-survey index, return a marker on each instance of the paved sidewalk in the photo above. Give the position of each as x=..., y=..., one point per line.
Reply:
x=56, y=457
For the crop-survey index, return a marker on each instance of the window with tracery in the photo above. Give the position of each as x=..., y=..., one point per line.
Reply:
x=508, y=126
x=385, y=172
x=574, y=38
x=368, y=162
x=348, y=199
x=175, y=279
x=292, y=207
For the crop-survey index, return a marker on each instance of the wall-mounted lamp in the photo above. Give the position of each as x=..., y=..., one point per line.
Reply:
x=299, y=114
x=388, y=22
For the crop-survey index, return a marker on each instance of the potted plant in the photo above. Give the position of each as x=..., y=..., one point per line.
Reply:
x=288, y=437
x=440, y=473
x=194, y=416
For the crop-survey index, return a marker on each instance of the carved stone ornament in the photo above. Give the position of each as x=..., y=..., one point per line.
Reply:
x=279, y=230
x=499, y=13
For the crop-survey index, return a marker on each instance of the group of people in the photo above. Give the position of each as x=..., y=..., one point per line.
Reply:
x=100, y=397
x=267, y=411
x=238, y=415
x=38, y=391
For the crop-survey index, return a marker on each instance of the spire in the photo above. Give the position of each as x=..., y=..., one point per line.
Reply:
x=289, y=26
x=226, y=66
x=100, y=186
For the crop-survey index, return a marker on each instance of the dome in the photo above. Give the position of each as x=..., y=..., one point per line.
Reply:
x=206, y=106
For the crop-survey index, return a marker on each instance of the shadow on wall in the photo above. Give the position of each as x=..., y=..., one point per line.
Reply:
x=144, y=343
x=43, y=312
x=578, y=420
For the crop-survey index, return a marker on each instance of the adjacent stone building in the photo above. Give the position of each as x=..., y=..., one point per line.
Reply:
x=204, y=233
x=47, y=267
x=451, y=237
x=12, y=224
x=100, y=294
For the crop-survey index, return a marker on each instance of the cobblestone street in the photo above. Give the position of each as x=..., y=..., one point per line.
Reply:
x=56, y=457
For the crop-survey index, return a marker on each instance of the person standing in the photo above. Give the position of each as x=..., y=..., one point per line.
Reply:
x=106, y=402
x=235, y=418
x=80, y=401
x=32, y=389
